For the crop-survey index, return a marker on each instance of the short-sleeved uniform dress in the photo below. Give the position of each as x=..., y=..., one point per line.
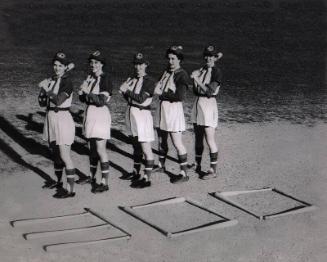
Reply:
x=139, y=121
x=205, y=109
x=59, y=126
x=97, y=117
x=170, y=113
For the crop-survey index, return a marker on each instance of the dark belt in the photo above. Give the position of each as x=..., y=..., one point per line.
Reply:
x=170, y=101
x=203, y=95
x=57, y=109
x=140, y=107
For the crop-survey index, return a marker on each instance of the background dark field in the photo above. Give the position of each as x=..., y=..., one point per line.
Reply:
x=274, y=54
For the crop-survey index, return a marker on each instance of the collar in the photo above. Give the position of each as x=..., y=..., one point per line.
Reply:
x=95, y=76
x=175, y=71
x=55, y=77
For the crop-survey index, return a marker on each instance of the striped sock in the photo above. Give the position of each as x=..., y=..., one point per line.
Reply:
x=183, y=163
x=148, y=168
x=105, y=173
x=70, y=174
x=213, y=161
x=93, y=166
x=58, y=169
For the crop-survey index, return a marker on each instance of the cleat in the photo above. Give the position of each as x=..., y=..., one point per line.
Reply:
x=143, y=183
x=179, y=179
x=100, y=188
x=209, y=174
x=64, y=194
x=135, y=183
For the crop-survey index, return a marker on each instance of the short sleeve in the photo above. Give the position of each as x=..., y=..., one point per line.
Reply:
x=149, y=85
x=216, y=76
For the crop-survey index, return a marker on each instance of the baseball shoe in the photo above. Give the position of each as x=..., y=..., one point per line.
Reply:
x=100, y=188
x=180, y=178
x=142, y=183
x=64, y=194
x=209, y=174
x=135, y=183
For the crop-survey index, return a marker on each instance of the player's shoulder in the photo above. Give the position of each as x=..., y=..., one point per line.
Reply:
x=181, y=72
x=66, y=79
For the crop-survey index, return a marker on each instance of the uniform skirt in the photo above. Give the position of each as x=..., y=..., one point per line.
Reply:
x=139, y=122
x=59, y=127
x=170, y=116
x=97, y=122
x=205, y=111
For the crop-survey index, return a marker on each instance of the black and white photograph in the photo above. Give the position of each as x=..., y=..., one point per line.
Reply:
x=163, y=131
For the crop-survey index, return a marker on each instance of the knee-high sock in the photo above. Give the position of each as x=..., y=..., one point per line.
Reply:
x=148, y=168
x=199, y=135
x=70, y=173
x=183, y=162
x=57, y=161
x=163, y=147
x=213, y=161
x=94, y=158
x=58, y=169
x=105, y=173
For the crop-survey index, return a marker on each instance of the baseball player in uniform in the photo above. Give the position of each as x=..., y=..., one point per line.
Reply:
x=138, y=91
x=59, y=128
x=95, y=92
x=170, y=115
x=207, y=81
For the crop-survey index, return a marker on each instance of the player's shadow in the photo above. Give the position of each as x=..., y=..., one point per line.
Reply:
x=13, y=155
x=28, y=144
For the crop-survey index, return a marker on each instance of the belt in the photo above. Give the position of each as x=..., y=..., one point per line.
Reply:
x=170, y=101
x=203, y=95
x=57, y=109
x=140, y=107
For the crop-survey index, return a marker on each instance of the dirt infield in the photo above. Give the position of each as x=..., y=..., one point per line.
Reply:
x=281, y=155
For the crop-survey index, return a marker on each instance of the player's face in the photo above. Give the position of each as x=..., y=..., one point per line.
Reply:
x=59, y=68
x=140, y=69
x=210, y=60
x=96, y=66
x=173, y=61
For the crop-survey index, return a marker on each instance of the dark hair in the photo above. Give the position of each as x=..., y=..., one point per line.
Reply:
x=177, y=51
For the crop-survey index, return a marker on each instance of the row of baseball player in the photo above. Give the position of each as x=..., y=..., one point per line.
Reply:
x=138, y=90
